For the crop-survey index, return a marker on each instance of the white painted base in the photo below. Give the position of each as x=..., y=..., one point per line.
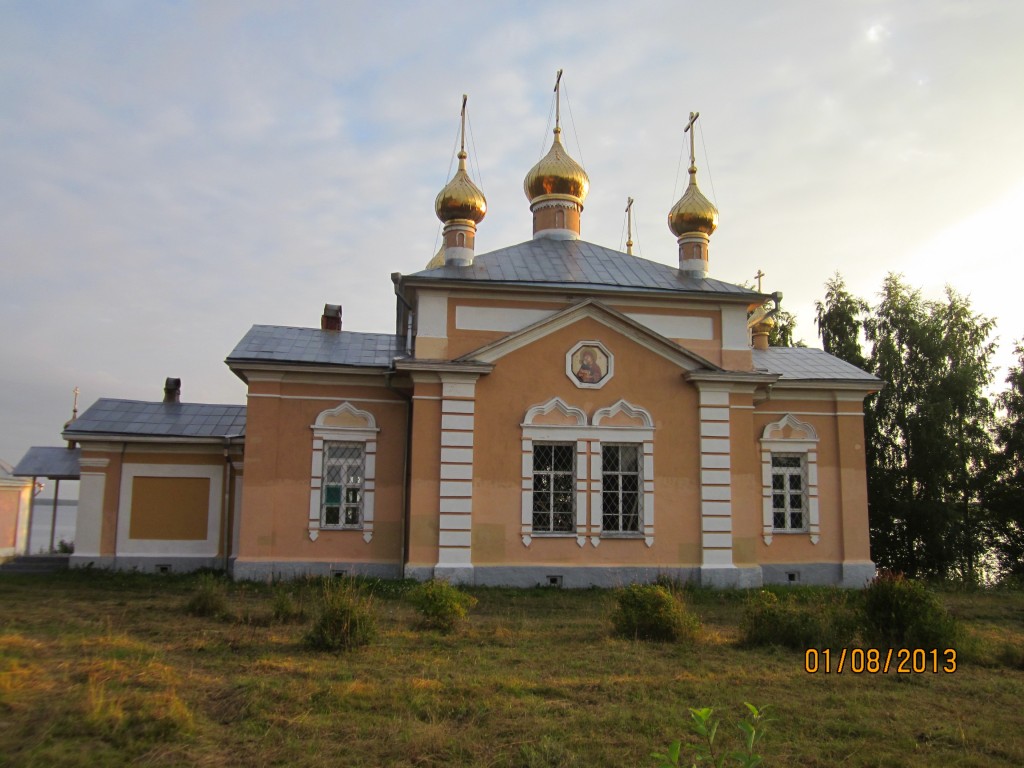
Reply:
x=456, y=574
x=730, y=577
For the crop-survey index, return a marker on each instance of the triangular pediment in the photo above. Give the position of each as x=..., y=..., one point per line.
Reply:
x=602, y=313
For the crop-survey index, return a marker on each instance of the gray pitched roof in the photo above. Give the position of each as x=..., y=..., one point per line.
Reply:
x=579, y=264
x=273, y=343
x=143, y=419
x=804, y=364
x=56, y=463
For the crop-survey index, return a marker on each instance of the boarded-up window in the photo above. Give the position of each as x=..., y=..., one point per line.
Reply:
x=170, y=508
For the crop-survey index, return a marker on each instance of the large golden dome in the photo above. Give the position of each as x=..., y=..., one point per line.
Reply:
x=461, y=198
x=693, y=212
x=557, y=174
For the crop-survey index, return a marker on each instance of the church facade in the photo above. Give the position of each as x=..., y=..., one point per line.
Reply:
x=554, y=412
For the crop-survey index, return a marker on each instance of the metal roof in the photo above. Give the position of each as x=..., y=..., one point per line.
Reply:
x=805, y=364
x=144, y=419
x=56, y=463
x=273, y=343
x=579, y=264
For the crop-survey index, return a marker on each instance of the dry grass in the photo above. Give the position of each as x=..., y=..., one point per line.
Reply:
x=101, y=669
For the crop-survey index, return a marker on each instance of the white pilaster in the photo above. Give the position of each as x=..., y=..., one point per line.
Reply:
x=455, y=528
x=715, y=480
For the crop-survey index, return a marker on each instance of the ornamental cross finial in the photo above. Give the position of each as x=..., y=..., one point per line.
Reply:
x=689, y=125
x=629, y=225
x=759, y=275
x=558, y=106
x=462, y=131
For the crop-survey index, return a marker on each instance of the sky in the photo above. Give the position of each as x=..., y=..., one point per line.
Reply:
x=172, y=173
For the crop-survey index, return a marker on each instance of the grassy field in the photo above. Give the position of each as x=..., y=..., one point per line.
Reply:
x=102, y=669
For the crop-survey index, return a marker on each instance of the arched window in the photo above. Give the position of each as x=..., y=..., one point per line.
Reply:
x=342, y=479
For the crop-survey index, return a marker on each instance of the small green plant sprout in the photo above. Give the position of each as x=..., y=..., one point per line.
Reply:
x=707, y=752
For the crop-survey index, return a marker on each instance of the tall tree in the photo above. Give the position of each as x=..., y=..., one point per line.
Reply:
x=840, y=320
x=1005, y=489
x=781, y=334
x=928, y=433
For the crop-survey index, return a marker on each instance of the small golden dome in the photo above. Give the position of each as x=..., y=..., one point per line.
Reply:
x=461, y=198
x=693, y=212
x=438, y=260
x=557, y=174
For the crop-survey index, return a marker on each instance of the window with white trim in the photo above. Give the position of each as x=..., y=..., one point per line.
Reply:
x=343, y=471
x=789, y=479
x=588, y=477
x=342, y=485
x=621, y=487
x=554, y=487
x=789, y=492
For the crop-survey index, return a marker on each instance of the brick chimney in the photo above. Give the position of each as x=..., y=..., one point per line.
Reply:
x=331, y=318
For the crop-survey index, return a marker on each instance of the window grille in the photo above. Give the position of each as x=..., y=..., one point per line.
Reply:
x=341, y=504
x=789, y=492
x=621, y=488
x=554, y=493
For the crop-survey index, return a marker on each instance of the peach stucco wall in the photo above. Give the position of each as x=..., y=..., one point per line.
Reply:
x=278, y=463
x=842, y=480
x=116, y=455
x=536, y=373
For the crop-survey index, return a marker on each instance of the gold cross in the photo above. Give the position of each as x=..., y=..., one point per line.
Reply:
x=558, y=107
x=689, y=125
x=759, y=275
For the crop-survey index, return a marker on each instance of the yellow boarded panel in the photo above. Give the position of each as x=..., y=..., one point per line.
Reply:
x=170, y=508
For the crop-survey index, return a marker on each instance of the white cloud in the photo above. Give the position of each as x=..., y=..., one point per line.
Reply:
x=176, y=173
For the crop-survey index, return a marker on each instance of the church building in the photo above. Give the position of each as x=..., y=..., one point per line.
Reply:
x=554, y=412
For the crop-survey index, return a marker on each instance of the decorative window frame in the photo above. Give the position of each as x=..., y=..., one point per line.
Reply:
x=802, y=440
x=572, y=376
x=348, y=424
x=570, y=424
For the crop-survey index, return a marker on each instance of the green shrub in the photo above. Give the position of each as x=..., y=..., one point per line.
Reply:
x=344, y=619
x=652, y=612
x=209, y=598
x=441, y=605
x=823, y=620
x=899, y=612
x=285, y=609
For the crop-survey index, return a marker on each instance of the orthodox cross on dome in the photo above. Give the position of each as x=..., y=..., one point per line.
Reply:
x=629, y=225
x=758, y=277
x=462, y=129
x=558, y=106
x=689, y=125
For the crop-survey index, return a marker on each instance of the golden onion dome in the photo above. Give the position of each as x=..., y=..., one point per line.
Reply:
x=557, y=174
x=438, y=260
x=461, y=198
x=693, y=212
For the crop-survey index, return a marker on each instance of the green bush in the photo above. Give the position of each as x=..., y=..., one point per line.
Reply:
x=901, y=613
x=652, y=612
x=441, y=605
x=344, y=619
x=285, y=609
x=209, y=598
x=823, y=620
